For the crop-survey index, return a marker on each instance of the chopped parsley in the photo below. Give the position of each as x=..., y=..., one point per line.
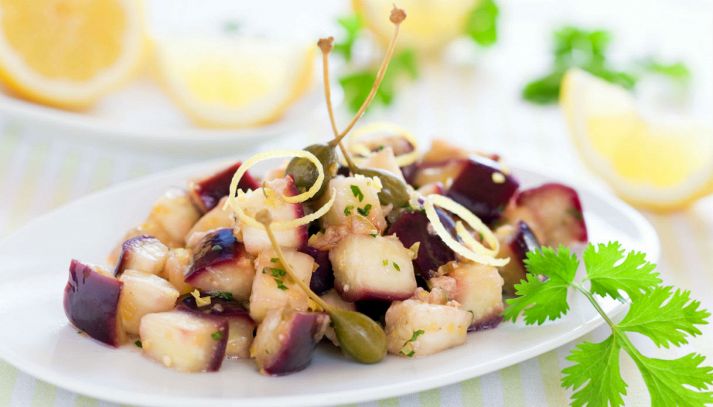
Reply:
x=396, y=266
x=385, y=262
x=277, y=275
x=356, y=191
x=348, y=210
x=223, y=295
x=217, y=335
x=407, y=349
x=138, y=344
x=364, y=211
x=274, y=260
x=373, y=234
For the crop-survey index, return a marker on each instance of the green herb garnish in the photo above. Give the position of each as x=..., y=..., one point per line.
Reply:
x=138, y=344
x=410, y=352
x=348, y=210
x=364, y=211
x=356, y=191
x=385, y=262
x=217, y=335
x=274, y=260
x=396, y=266
x=352, y=26
x=277, y=275
x=222, y=295
x=482, y=24
x=663, y=314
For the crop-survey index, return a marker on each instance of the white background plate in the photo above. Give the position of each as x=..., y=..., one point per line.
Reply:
x=37, y=338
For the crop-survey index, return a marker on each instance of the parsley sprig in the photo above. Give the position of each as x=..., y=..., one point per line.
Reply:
x=663, y=314
x=587, y=50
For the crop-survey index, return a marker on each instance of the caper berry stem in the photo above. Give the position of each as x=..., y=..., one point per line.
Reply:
x=325, y=45
x=265, y=218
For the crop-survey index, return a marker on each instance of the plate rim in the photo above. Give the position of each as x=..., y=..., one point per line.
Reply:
x=107, y=393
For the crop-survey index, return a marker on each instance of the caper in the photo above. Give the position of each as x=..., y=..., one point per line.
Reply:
x=305, y=174
x=359, y=336
x=393, y=190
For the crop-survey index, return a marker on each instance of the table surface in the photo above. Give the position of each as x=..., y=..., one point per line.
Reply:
x=474, y=103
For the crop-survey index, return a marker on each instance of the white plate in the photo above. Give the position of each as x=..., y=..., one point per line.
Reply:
x=140, y=115
x=36, y=338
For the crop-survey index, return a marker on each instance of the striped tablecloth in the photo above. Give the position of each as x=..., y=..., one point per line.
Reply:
x=477, y=106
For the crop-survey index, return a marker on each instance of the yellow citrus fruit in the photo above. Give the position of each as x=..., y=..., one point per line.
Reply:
x=68, y=53
x=429, y=25
x=234, y=82
x=656, y=163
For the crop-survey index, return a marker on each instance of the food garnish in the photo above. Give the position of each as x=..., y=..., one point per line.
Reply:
x=665, y=315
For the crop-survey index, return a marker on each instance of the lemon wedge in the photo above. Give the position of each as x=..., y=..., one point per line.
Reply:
x=430, y=23
x=68, y=53
x=234, y=82
x=657, y=163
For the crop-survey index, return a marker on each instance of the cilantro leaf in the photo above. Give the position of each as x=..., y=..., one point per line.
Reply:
x=674, y=382
x=482, y=23
x=352, y=26
x=538, y=298
x=610, y=272
x=676, y=70
x=602, y=389
x=665, y=316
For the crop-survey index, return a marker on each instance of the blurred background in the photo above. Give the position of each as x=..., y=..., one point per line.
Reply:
x=96, y=93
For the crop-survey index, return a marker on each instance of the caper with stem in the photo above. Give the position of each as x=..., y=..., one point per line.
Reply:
x=394, y=191
x=359, y=336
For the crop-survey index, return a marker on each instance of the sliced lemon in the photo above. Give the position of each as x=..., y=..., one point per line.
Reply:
x=68, y=53
x=429, y=24
x=660, y=164
x=235, y=82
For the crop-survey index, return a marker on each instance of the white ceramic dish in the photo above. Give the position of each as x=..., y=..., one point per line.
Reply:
x=38, y=340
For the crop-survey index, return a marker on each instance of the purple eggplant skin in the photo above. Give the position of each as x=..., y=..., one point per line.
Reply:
x=298, y=335
x=476, y=188
x=412, y=227
x=323, y=277
x=91, y=303
x=219, y=246
x=207, y=192
x=126, y=250
x=220, y=346
x=523, y=241
x=487, y=324
x=219, y=306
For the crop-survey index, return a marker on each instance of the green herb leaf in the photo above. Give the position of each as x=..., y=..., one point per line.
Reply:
x=610, y=272
x=356, y=191
x=482, y=24
x=364, y=211
x=601, y=389
x=668, y=381
x=676, y=70
x=348, y=210
x=352, y=26
x=223, y=295
x=385, y=262
x=138, y=343
x=543, y=295
x=396, y=266
x=217, y=335
x=665, y=316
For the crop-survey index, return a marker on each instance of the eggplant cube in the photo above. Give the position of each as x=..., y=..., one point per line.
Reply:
x=322, y=279
x=384, y=160
x=184, y=341
x=175, y=215
x=479, y=291
x=272, y=288
x=177, y=266
x=143, y=294
x=254, y=237
x=240, y=326
x=355, y=196
x=208, y=191
x=216, y=218
x=286, y=339
x=417, y=328
x=142, y=253
x=515, y=243
x=91, y=303
x=222, y=264
x=372, y=268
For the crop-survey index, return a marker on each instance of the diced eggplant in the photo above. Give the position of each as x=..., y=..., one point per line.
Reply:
x=323, y=277
x=385, y=160
x=355, y=196
x=372, y=268
x=417, y=328
x=222, y=264
x=553, y=212
x=208, y=191
x=332, y=298
x=413, y=227
x=143, y=294
x=177, y=266
x=173, y=214
x=483, y=187
x=254, y=237
x=216, y=218
x=479, y=291
x=273, y=288
x=142, y=253
x=515, y=242
x=286, y=339
x=91, y=303
x=185, y=341
x=241, y=327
